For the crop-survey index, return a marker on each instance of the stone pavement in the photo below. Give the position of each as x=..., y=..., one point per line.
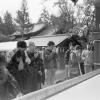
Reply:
x=60, y=75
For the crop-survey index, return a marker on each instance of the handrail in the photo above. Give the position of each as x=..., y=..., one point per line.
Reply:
x=53, y=90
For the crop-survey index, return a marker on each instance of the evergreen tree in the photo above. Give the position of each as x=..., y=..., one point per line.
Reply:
x=7, y=26
x=23, y=18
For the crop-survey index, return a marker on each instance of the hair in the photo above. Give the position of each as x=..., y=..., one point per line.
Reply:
x=50, y=43
x=2, y=60
x=18, y=54
x=21, y=44
x=78, y=47
x=71, y=44
x=31, y=43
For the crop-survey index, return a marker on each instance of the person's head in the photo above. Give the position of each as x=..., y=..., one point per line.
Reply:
x=9, y=55
x=21, y=45
x=2, y=61
x=51, y=45
x=71, y=46
x=78, y=49
x=19, y=55
x=88, y=46
x=32, y=46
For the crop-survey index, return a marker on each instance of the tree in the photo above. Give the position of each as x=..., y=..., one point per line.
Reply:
x=23, y=19
x=86, y=18
x=7, y=26
x=68, y=22
x=65, y=21
x=45, y=17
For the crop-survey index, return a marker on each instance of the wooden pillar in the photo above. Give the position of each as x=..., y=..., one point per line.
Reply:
x=97, y=36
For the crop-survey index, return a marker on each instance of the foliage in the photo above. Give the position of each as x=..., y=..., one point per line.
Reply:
x=65, y=21
x=6, y=24
x=83, y=22
x=23, y=19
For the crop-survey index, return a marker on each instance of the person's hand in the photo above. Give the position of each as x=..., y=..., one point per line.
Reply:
x=19, y=95
x=28, y=60
x=40, y=72
x=21, y=65
x=36, y=55
x=53, y=52
x=54, y=49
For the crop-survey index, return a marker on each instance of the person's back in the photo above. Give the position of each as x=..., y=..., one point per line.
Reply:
x=73, y=65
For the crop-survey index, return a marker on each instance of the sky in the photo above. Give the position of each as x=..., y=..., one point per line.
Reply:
x=35, y=7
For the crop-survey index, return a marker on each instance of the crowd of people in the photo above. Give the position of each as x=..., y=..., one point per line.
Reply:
x=79, y=61
x=23, y=70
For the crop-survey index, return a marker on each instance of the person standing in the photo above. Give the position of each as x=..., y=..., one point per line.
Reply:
x=18, y=67
x=66, y=58
x=81, y=62
x=74, y=65
x=36, y=67
x=50, y=64
x=87, y=56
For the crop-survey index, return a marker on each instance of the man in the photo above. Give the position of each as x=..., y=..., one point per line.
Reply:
x=66, y=58
x=36, y=67
x=50, y=56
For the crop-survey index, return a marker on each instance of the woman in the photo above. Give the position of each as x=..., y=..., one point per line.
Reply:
x=74, y=65
x=36, y=66
x=18, y=68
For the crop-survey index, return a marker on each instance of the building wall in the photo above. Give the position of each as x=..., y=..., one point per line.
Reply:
x=62, y=54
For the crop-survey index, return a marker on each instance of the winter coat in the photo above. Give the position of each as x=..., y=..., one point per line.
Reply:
x=49, y=58
x=9, y=88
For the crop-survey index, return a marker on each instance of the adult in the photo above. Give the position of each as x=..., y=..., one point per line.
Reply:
x=73, y=65
x=36, y=67
x=18, y=67
x=88, y=57
x=50, y=55
x=66, y=57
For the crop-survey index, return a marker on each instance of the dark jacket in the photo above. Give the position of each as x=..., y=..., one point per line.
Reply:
x=9, y=88
x=50, y=59
x=66, y=57
x=20, y=75
x=38, y=65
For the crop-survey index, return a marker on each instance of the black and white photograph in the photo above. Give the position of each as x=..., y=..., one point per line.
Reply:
x=49, y=49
